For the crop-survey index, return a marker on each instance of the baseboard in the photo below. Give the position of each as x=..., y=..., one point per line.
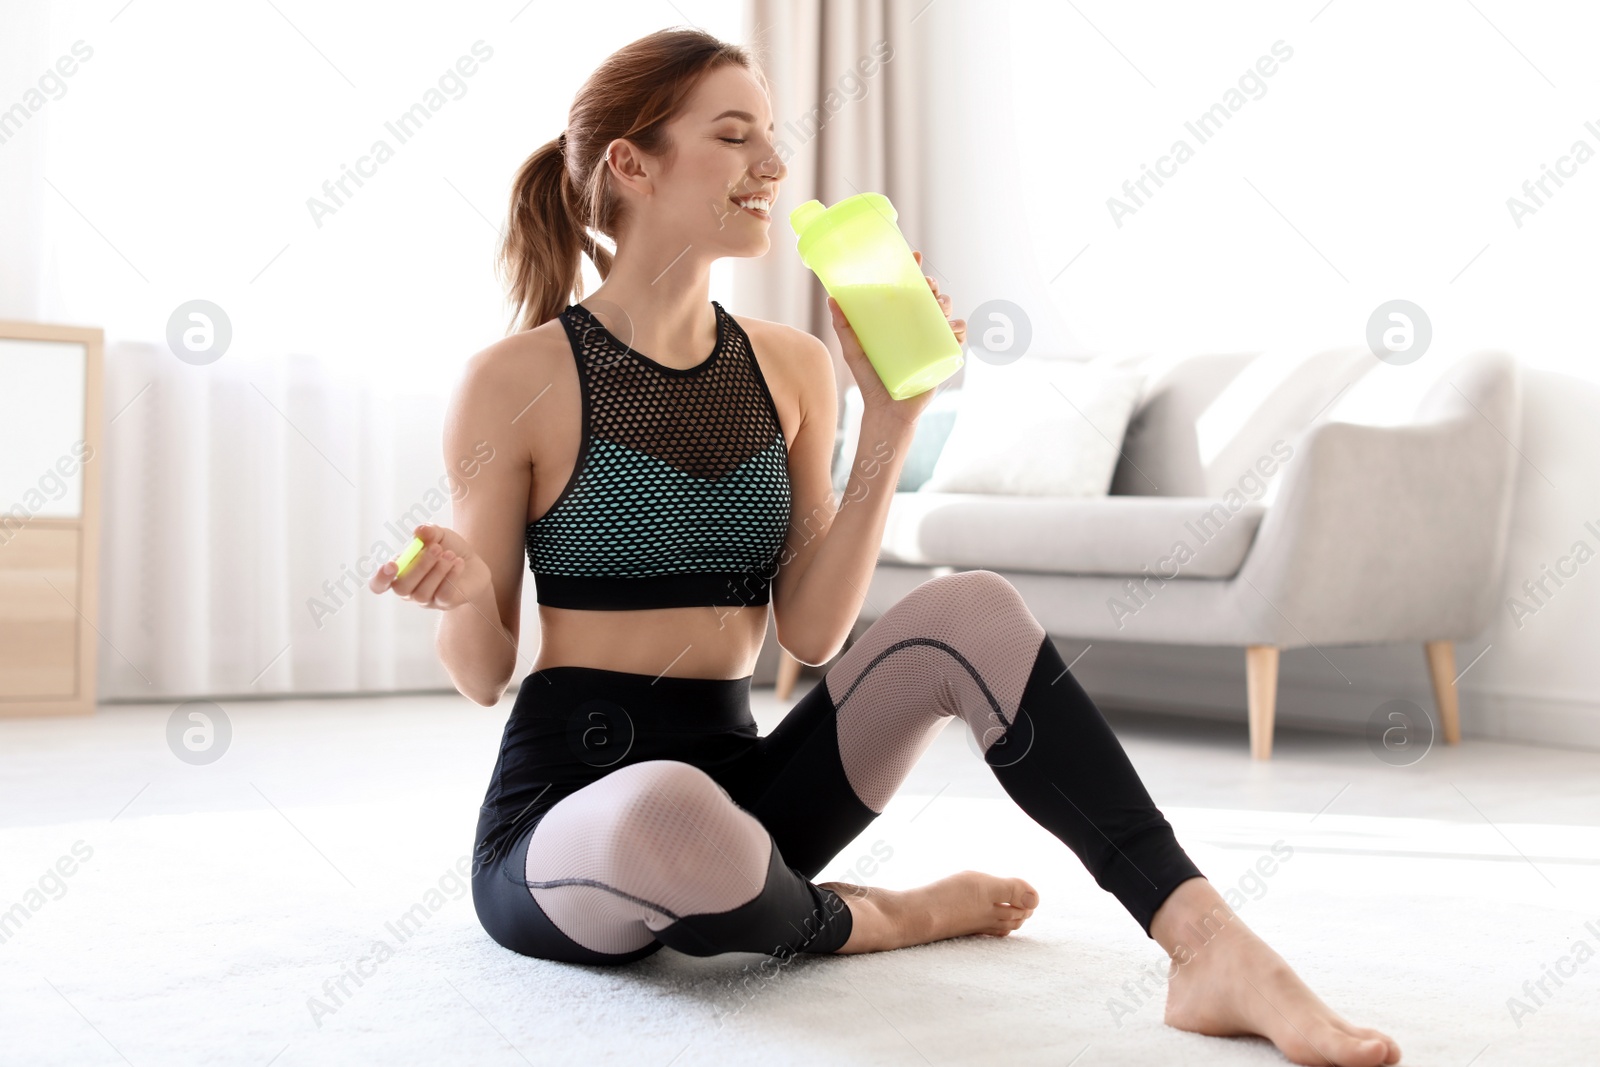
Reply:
x=1538, y=719
x=1547, y=721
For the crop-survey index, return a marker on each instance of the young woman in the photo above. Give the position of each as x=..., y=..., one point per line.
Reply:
x=665, y=468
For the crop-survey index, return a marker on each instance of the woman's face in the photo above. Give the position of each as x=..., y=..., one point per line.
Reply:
x=725, y=151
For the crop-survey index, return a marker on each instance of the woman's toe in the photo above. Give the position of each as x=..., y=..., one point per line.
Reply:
x=1022, y=895
x=1391, y=1051
x=1367, y=1051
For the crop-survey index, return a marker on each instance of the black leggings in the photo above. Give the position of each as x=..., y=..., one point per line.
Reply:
x=670, y=821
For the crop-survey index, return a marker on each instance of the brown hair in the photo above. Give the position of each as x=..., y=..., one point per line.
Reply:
x=562, y=191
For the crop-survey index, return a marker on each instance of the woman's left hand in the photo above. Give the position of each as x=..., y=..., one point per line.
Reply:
x=875, y=397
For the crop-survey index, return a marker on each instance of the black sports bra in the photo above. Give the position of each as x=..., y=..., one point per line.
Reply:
x=680, y=493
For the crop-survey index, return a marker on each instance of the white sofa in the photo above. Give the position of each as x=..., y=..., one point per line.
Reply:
x=1299, y=530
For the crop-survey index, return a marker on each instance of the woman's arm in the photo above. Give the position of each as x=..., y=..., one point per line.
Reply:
x=831, y=554
x=477, y=639
x=819, y=592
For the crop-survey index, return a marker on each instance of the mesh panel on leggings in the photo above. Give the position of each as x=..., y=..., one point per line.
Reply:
x=958, y=644
x=680, y=494
x=634, y=851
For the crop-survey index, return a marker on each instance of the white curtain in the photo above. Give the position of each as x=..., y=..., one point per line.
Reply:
x=248, y=500
x=843, y=75
x=913, y=100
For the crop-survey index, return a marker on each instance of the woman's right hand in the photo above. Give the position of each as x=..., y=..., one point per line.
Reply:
x=447, y=574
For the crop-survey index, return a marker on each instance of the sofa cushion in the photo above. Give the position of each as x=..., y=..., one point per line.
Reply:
x=1175, y=537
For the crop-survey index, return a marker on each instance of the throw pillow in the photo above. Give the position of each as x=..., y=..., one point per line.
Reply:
x=1038, y=427
x=933, y=427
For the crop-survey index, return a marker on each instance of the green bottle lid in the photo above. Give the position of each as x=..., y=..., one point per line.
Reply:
x=403, y=562
x=801, y=216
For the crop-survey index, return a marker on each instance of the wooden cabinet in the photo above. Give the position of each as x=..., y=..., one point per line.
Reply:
x=50, y=462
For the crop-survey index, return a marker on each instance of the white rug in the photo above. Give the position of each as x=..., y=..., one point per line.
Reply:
x=220, y=937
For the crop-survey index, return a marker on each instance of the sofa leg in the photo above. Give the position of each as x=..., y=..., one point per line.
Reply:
x=1261, y=687
x=1442, y=671
x=788, y=674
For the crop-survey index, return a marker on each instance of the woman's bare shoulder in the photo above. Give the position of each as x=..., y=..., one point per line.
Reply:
x=799, y=355
x=500, y=382
x=528, y=359
x=780, y=338
x=525, y=350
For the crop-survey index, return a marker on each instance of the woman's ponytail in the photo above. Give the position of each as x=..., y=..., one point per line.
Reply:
x=538, y=261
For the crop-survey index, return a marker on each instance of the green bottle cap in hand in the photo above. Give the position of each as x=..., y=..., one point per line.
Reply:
x=406, y=558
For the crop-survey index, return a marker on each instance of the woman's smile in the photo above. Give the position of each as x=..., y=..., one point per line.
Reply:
x=745, y=205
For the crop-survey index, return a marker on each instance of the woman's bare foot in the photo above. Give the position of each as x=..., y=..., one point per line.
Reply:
x=966, y=903
x=1224, y=980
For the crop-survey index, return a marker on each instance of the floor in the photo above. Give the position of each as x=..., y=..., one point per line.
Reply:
x=158, y=910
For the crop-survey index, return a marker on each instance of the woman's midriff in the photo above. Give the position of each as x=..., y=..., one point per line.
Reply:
x=707, y=642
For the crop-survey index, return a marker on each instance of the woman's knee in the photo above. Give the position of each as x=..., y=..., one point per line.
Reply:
x=956, y=605
x=671, y=808
x=972, y=639
x=983, y=591
x=675, y=837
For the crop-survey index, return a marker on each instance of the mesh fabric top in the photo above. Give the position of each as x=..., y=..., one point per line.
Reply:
x=680, y=493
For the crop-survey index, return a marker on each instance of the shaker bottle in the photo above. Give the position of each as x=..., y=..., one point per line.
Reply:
x=865, y=264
